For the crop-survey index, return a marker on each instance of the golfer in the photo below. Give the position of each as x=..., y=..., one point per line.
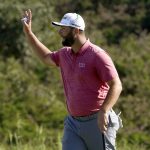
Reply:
x=91, y=84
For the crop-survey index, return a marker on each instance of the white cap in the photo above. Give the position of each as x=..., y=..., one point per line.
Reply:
x=71, y=20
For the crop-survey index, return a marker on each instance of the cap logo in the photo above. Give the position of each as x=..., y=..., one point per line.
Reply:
x=64, y=17
x=75, y=21
x=75, y=25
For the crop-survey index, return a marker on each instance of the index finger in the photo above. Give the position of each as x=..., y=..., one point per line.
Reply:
x=29, y=14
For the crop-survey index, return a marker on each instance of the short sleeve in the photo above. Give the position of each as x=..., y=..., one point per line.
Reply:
x=55, y=57
x=105, y=66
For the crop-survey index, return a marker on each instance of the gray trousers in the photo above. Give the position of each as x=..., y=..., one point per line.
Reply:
x=83, y=133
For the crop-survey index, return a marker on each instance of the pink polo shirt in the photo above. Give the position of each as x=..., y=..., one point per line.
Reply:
x=85, y=75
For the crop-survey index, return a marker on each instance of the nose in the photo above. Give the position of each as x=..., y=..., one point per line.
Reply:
x=60, y=31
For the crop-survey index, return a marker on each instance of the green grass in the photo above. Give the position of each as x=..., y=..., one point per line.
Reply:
x=125, y=146
x=43, y=141
x=57, y=146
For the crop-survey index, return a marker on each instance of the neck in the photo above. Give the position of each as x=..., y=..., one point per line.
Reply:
x=78, y=44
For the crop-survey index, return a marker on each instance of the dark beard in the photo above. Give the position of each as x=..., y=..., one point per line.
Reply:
x=69, y=40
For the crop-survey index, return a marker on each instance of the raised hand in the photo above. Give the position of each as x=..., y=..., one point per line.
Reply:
x=27, y=20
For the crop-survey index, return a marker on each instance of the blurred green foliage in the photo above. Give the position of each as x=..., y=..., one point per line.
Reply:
x=31, y=94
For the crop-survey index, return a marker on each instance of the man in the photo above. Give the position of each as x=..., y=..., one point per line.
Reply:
x=91, y=83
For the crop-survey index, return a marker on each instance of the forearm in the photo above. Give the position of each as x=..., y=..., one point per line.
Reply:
x=113, y=95
x=40, y=50
x=109, y=102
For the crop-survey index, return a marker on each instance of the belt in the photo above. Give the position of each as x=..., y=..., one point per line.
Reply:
x=86, y=118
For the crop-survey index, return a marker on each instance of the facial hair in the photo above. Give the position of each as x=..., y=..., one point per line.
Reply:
x=68, y=40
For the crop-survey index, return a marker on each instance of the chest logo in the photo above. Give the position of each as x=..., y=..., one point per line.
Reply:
x=81, y=65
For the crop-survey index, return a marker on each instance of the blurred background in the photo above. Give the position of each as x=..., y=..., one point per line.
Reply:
x=32, y=108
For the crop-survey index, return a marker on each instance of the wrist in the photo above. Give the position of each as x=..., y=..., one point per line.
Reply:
x=28, y=33
x=104, y=110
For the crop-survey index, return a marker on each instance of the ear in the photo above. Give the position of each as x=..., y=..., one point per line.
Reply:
x=76, y=31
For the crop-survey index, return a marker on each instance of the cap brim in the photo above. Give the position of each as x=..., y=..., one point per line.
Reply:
x=58, y=24
x=61, y=24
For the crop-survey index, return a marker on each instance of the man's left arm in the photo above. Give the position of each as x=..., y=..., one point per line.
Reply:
x=112, y=97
